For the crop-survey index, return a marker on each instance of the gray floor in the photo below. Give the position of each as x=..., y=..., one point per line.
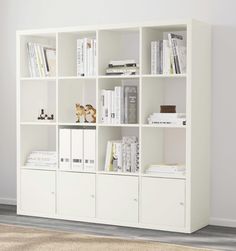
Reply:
x=218, y=238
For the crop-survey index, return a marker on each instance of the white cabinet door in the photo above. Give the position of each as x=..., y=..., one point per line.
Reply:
x=76, y=196
x=38, y=191
x=163, y=201
x=117, y=198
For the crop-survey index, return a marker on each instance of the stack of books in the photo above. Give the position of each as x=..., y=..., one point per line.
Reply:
x=120, y=105
x=122, y=67
x=42, y=60
x=166, y=169
x=86, y=57
x=47, y=159
x=168, y=56
x=177, y=119
x=122, y=155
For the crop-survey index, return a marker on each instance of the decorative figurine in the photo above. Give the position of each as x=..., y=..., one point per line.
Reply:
x=80, y=113
x=90, y=114
x=43, y=116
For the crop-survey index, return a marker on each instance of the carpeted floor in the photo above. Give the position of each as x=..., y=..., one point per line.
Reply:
x=14, y=238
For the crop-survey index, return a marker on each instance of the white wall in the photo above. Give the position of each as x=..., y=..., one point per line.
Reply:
x=21, y=14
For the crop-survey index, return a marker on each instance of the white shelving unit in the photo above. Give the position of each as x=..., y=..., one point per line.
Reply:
x=165, y=202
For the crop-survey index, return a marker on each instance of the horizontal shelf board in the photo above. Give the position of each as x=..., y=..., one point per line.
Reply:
x=164, y=75
x=39, y=168
x=39, y=123
x=74, y=171
x=118, y=125
x=38, y=79
x=162, y=126
x=118, y=173
x=166, y=175
x=76, y=77
x=76, y=124
x=119, y=76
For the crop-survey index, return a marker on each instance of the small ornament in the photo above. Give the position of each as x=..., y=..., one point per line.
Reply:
x=90, y=114
x=43, y=116
x=80, y=113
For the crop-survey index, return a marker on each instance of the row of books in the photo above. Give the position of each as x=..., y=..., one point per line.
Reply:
x=77, y=149
x=42, y=159
x=168, y=56
x=42, y=60
x=86, y=57
x=177, y=119
x=122, y=155
x=122, y=67
x=120, y=105
x=166, y=169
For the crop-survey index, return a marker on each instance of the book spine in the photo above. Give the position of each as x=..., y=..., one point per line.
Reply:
x=95, y=57
x=108, y=161
x=133, y=156
x=166, y=57
x=119, y=156
x=32, y=58
x=29, y=60
x=41, y=68
x=46, y=73
x=174, y=42
x=118, y=105
x=103, y=109
x=85, y=59
x=109, y=106
x=161, y=56
x=92, y=57
x=153, y=57
x=113, y=107
x=106, y=110
x=130, y=104
x=158, y=57
x=36, y=59
x=173, y=70
x=79, y=59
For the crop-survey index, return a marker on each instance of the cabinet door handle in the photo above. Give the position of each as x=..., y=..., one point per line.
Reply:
x=135, y=199
x=181, y=204
x=53, y=193
x=92, y=196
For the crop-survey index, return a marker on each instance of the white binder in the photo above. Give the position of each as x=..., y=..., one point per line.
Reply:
x=65, y=148
x=89, y=149
x=77, y=149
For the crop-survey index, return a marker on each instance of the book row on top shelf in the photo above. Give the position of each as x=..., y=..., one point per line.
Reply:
x=111, y=102
x=159, y=151
x=105, y=52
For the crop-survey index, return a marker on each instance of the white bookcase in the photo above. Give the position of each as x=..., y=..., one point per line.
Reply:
x=165, y=202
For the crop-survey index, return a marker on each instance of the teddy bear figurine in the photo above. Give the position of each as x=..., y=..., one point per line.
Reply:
x=90, y=114
x=80, y=113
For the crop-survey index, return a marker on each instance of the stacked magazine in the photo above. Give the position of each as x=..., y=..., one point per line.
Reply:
x=168, y=56
x=47, y=159
x=166, y=169
x=42, y=60
x=122, y=155
x=122, y=67
x=176, y=119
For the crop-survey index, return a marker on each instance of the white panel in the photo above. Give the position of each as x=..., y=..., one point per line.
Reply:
x=163, y=202
x=89, y=149
x=117, y=198
x=77, y=141
x=38, y=191
x=76, y=194
x=65, y=148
